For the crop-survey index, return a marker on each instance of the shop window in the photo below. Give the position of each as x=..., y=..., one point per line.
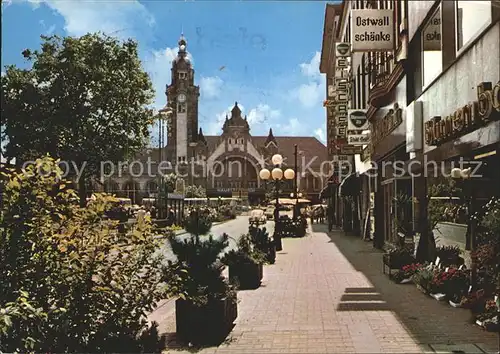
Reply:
x=471, y=18
x=432, y=48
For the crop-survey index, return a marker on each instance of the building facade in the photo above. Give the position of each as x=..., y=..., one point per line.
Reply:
x=431, y=99
x=225, y=165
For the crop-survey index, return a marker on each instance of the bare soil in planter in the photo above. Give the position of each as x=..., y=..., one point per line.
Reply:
x=207, y=324
x=246, y=275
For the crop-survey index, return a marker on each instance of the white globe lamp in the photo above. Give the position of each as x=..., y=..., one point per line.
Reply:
x=277, y=174
x=264, y=174
x=277, y=159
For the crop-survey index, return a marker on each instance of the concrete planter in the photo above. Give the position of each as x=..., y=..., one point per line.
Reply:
x=246, y=275
x=206, y=324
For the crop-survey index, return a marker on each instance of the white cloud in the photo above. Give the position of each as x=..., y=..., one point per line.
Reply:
x=117, y=18
x=310, y=94
x=292, y=127
x=320, y=133
x=261, y=114
x=158, y=64
x=311, y=69
x=210, y=87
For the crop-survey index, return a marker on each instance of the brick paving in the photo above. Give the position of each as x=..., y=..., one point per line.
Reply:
x=327, y=294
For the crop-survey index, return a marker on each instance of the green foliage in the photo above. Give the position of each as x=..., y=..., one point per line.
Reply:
x=198, y=270
x=197, y=222
x=195, y=192
x=261, y=241
x=70, y=281
x=170, y=182
x=197, y=274
x=83, y=100
x=438, y=209
x=246, y=252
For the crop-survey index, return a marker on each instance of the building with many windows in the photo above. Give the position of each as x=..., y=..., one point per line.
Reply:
x=432, y=102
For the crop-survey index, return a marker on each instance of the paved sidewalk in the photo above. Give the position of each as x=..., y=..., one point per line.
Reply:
x=327, y=294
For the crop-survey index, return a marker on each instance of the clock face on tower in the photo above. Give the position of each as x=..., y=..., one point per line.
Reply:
x=182, y=98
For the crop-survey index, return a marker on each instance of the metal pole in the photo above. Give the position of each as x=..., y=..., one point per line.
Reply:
x=158, y=194
x=295, y=209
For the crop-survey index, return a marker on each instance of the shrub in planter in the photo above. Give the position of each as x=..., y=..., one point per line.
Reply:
x=70, y=282
x=423, y=279
x=207, y=304
x=262, y=242
x=245, y=264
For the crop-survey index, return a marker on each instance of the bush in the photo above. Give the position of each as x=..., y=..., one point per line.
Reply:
x=245, y=253
x=198, y=270
x=70, y=281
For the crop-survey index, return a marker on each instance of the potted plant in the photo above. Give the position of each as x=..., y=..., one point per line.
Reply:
x=207, y=304
x=245, y=264
x=262, y=242
x=423, y=278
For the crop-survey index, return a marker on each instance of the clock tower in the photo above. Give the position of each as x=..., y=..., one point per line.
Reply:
x=182, y=96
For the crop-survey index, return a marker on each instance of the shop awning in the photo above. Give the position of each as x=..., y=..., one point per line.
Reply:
x=349, y=185
x=329, y=189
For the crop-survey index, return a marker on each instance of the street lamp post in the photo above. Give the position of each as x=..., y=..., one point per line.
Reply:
x=164, y=115
x=277, y=175
x=464, y=177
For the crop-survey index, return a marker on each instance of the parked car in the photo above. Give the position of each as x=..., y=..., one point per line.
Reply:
x=257, y=216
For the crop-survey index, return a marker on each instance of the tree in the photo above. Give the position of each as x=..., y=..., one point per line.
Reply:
x=83, y=100
x=70, y=281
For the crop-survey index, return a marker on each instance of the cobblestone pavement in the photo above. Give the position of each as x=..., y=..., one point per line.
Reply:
x=327, y=294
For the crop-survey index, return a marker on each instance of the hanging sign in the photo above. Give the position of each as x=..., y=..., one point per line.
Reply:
x=431, y=35
x=372, y=30
x=342, y=87
x=357, y=119
x=358, y=139
x=342, y=50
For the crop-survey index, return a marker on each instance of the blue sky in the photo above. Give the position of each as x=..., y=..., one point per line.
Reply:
x=265, y=55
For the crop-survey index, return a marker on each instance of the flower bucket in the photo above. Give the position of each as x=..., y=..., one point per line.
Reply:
x=454, y=304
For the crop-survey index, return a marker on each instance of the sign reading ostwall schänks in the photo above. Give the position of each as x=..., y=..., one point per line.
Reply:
x=372, y=30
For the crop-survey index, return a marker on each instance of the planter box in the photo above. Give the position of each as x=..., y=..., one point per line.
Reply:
x=247, y=275
x=207, y=324
x=395, y=262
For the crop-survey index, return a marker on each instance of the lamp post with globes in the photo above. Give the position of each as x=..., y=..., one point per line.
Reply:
x=277, y=175
x=463, y=176
x=164, y=116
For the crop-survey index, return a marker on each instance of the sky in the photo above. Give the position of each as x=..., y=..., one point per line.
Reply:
x=262, y=54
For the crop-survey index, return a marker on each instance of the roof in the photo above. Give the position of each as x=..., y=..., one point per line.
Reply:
x=309, y=146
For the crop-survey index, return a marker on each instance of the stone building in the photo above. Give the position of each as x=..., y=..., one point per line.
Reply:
x=225, y=164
